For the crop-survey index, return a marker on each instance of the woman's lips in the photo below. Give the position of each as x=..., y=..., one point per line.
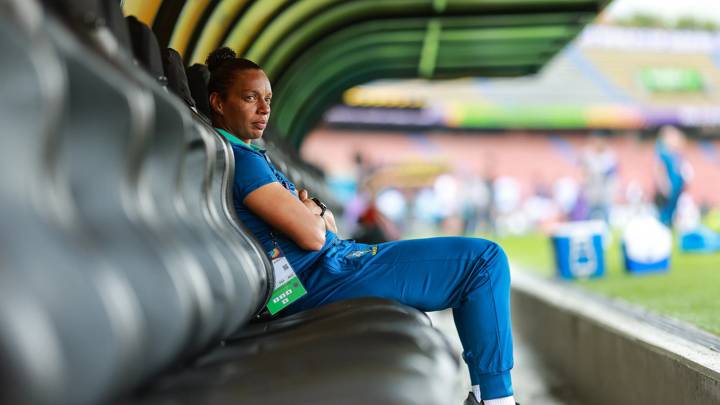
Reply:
x=259, y=124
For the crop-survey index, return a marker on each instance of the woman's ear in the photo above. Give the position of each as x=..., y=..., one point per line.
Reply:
x=216, y=103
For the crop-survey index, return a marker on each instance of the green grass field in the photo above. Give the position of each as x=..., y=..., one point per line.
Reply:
x=690, y=291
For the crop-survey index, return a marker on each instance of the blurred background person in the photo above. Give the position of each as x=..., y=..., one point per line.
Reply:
x=476, y=205
x=449, y=200
x=599, y=169
x=364, y=216
x=360, y=200
x=672, y=172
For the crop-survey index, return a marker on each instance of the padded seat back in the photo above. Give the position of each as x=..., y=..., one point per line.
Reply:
x=146, y=49
x=100, y=22
x=177, y=79
x=114, y=19
x=106, y=118
x=198, y=77
x=54, y=290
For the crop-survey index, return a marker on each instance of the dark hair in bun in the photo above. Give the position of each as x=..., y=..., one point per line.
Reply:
x=218, y=56
x=223, y=63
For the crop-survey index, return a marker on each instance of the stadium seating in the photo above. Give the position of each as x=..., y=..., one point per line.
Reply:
x=126, y=276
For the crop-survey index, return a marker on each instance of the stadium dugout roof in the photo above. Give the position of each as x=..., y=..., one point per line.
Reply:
x=313, y=50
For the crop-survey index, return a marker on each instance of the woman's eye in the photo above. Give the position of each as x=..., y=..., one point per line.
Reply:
x=268, y=100
x=250, y=98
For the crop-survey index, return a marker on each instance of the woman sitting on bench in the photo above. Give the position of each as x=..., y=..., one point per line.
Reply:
x=469, y=275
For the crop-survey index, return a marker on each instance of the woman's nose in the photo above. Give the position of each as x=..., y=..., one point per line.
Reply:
x=264, y=107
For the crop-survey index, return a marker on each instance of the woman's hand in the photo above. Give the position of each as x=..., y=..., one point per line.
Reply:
x=330, y=221
x=309, y=203
x=328, y=217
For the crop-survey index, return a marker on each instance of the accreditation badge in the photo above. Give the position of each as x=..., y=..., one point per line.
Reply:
x=288, y=287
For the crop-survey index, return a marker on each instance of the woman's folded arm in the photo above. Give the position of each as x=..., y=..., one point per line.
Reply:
x=281, y=209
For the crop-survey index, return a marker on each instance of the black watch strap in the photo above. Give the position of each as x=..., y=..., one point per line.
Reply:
x=320, y=204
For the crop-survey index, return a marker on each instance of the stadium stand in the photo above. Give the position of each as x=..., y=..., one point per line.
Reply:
x=530, y=158
x=123, y=263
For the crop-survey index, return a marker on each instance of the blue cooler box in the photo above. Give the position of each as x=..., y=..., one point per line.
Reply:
x=578, y=248
x=700, y=240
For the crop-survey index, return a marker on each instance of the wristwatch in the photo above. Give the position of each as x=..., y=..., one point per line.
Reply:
x=320, y=204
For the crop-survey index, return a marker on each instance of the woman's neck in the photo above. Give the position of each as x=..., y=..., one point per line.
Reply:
x=243, y=140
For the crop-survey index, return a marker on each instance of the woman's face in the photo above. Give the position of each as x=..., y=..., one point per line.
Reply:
x=246, y=109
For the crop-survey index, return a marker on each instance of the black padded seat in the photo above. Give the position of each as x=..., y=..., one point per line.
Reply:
x=335, y=310
x=198, y=76
x=375, y=351
x=53, y=288
x=176, y=77
x=126, y=203
x=98, y=22
x=228, y=287
x=146, y=49
x=100, y=176
x=113, y=17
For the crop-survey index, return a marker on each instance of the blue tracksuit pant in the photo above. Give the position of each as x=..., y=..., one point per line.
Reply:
x=667, y=211
x=469, y=275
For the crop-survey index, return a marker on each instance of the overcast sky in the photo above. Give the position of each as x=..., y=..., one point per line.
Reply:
x=669, y=9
